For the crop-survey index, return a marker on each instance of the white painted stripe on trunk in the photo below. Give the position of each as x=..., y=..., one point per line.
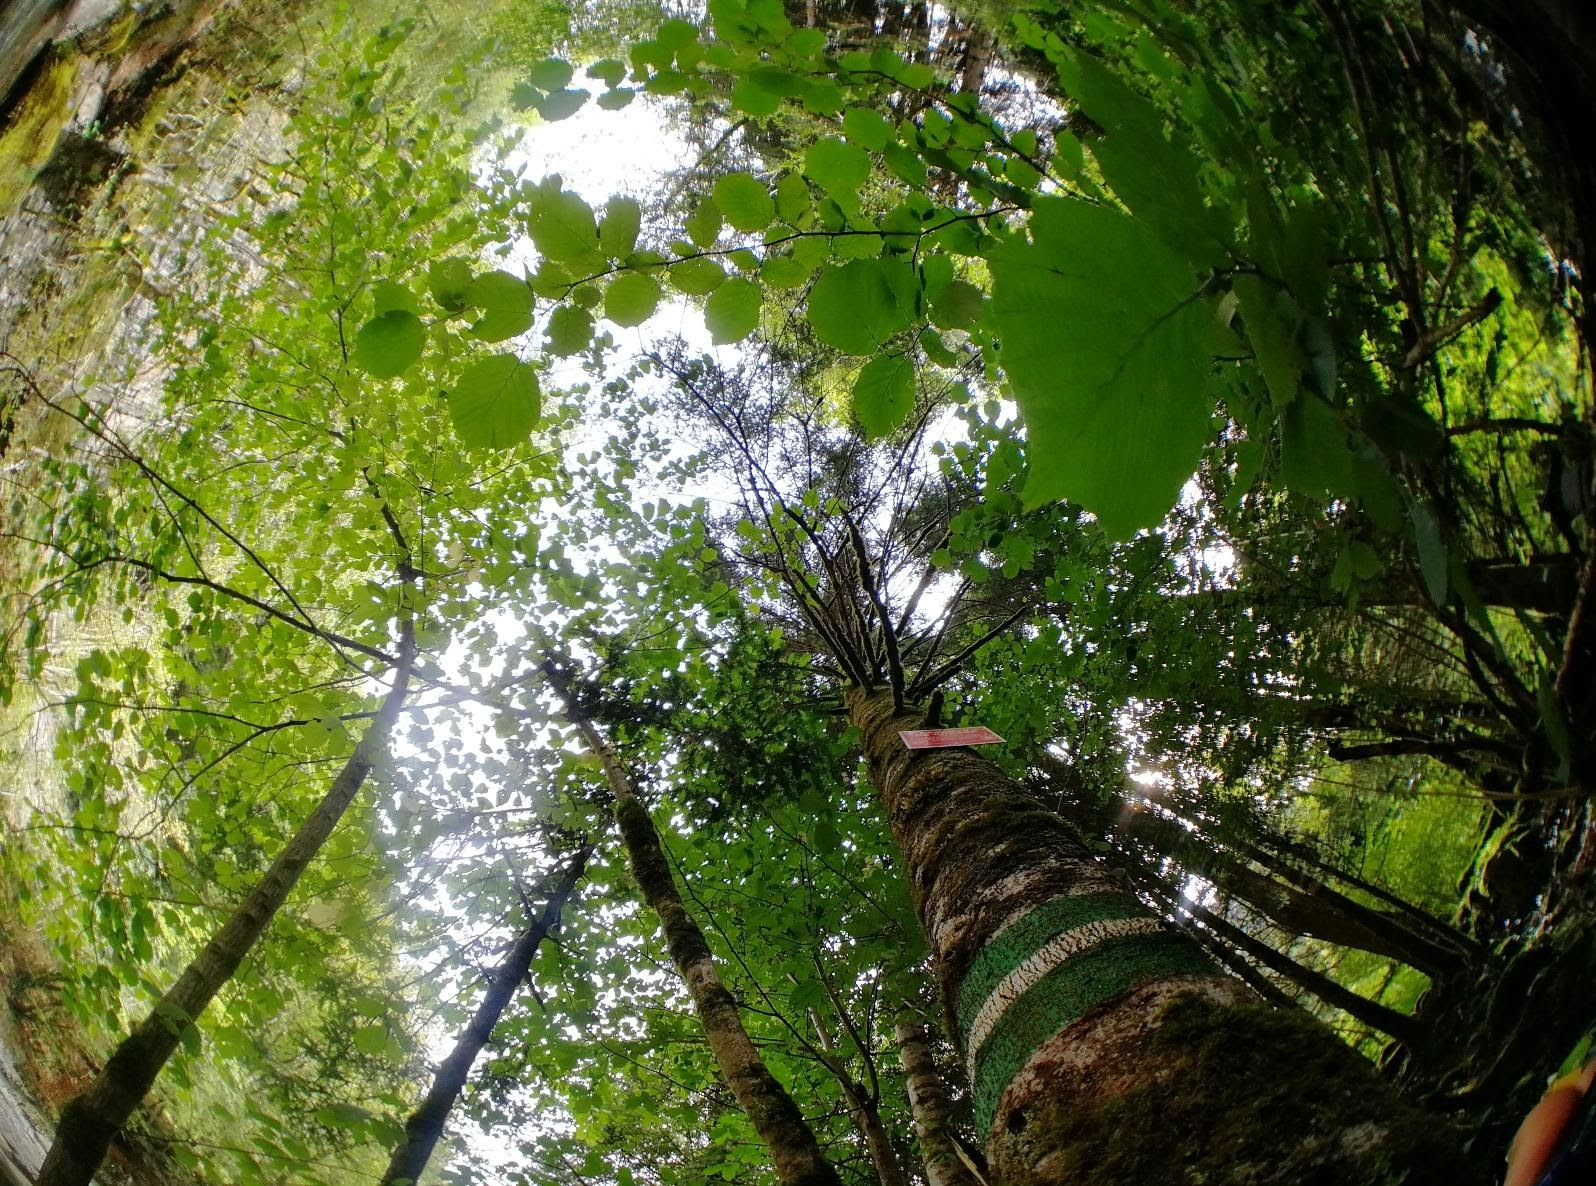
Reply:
x=1057, y=949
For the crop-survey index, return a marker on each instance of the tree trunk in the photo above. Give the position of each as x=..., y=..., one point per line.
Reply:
x=91, y=1119
x=794, y=1152
x=1319, y=911
x=1102, y=1045
x=424, y=1128
x=863, y=1110
x=933, y=1114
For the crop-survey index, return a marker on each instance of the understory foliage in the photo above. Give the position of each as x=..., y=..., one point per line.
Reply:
x=1193, y=394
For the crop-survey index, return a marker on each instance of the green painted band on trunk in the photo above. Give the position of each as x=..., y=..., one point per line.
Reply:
x=1027, y=935
x=1093, y=978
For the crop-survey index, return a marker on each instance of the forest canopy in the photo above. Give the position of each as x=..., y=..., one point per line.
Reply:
x=487, y=494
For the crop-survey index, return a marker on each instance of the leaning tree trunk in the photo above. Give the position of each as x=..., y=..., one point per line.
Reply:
x=425, y=1127
x=794, y=1152
x=1317, y=911
x=933, y=1114
x=1102, y=1045
x=863, y=1109
x=91, y=1119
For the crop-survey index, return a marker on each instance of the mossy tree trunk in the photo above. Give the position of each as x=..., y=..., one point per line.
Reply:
x=933, y=1112
x=794, y=1153
x=1102, y=1045
x=91, y=1120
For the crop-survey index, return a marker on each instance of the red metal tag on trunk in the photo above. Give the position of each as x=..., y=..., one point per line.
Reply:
x=944, y=738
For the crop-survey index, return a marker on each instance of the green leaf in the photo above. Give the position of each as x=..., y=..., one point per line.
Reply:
x=551, y=74
x=562, y=226
x=1433, y=557
x=616, y=99
x=570, y=330
x=752, y=99
x=387, y=296
x=506, y=304
x=561, y=104
x=784, y=272
x=631, y=298
x=883, y=394
x=1107, y=352
x=745, y=202
x=623, y=218
x=838, y=168
x=866, y=128
x=732, y=311
x=609, y=71
x=697, y=277
x=858, y=306
x=495, y=403
x=792, y=198
x=370, y=1039
x=703, y=224
x=1314, y=457
x=1273, y=341
x=448, y=280
x=956, y=305
x=388, y=344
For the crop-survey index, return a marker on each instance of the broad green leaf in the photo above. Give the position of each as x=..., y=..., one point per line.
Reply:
x=388, y=344
x=561, y=104
x=448, y=280
x=703, y=224
x=883, y=394
x=956, y=305
x=386, y=296
x=631, y=298
x=858, y=306
x=610, y=71
x=1433, y=557
x=745, y=202
x=615, y=99
x=562, y=226
x=1314, y=457
x=752, y=99
x=570, y=330
x=1273, y=341
x=623, y=218
x=1107, y=350
x=792, y=198
x=697, y=277
x=838, y=168
x=732, y=311
x=866, y=128
x=551, y=74
x=783, y=272
x=495, y=403
x=370, y=1039
x=506, y=304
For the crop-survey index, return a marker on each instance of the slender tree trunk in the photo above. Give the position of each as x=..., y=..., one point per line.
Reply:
x=794, y=1152
x=933, y=1114
x=863, y=1110
x=1102, y=1045
x=1373, y=1014
x=1317, y=911
x=425, y=1126
x=91, y=1119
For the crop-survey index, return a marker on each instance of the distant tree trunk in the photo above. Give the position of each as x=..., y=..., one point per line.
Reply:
x=1102, y=1045
x=1317, y=911
x=425, y=1126
x=863, y=1110
x=794, y=1152
x=91, y=1119
x=933, y=1113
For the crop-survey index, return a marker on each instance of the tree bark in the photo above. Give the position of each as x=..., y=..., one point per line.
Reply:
x=1102, y=1045
x=863, y=1110
x=424, y=1128
x=794, y=1152
x=1318, y=911
x=91, y=1119
x=933, y=1113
